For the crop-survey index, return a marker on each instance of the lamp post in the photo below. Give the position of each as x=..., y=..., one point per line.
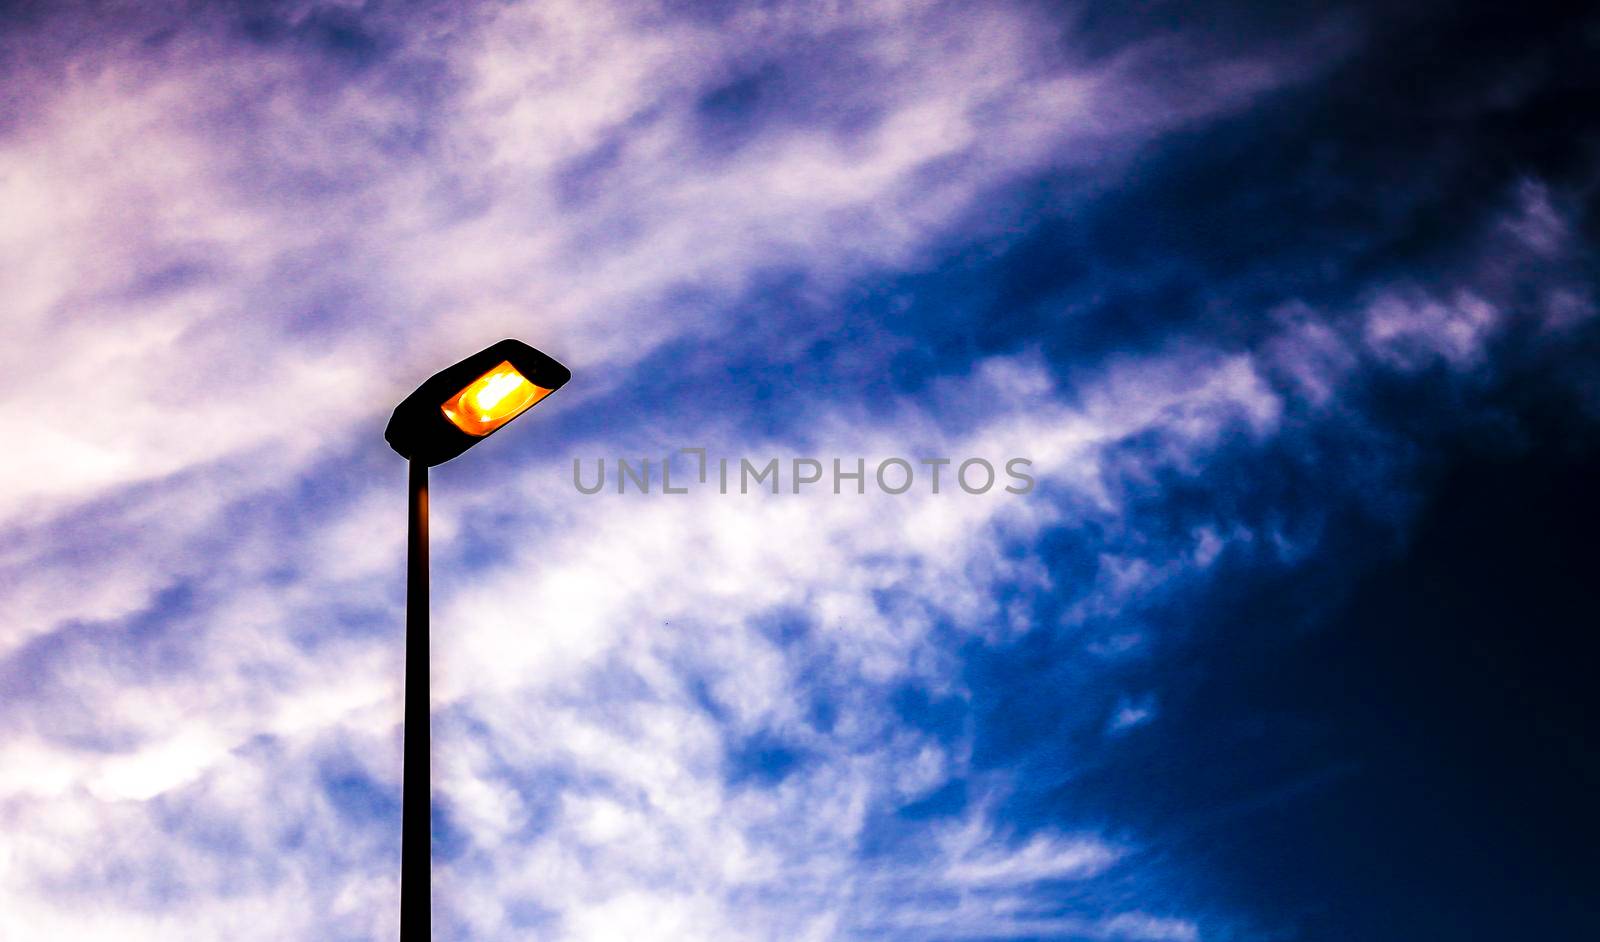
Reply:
x=453, y=410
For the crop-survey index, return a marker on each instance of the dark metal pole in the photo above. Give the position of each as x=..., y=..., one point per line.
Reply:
x=415, y=826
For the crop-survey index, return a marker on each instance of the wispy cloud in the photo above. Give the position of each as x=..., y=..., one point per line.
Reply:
x=235, y=238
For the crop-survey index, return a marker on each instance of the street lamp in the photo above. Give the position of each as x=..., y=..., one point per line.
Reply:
x=455, y=409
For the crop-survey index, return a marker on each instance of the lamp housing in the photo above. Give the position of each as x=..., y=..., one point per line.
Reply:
x=463, y=404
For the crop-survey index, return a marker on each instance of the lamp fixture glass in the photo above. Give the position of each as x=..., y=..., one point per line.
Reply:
x=492, y=400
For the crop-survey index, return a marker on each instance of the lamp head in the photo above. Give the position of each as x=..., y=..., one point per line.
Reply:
x=461, y=405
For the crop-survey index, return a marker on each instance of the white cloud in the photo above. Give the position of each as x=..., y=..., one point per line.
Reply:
x=1147, y=928
x=222, y=272
x=1408, y=332
x=1130, y=713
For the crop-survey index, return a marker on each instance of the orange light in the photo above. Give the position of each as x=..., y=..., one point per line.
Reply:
x=492, y=400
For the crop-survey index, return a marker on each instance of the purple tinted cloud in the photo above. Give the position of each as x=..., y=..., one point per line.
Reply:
x=236, y=237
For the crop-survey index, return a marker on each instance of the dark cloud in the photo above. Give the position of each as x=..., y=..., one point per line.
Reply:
x=1300, y=300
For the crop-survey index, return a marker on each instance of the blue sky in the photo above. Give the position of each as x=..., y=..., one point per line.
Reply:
x=1293, y=313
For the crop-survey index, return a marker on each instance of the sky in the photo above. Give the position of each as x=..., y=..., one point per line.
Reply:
x=1290, y=310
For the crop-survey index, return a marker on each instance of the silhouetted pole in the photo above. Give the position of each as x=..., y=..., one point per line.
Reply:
x=415, y=827
x=450, y=412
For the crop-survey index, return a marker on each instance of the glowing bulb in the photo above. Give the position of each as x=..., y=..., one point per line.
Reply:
x=492, y=400
x=500, y=385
